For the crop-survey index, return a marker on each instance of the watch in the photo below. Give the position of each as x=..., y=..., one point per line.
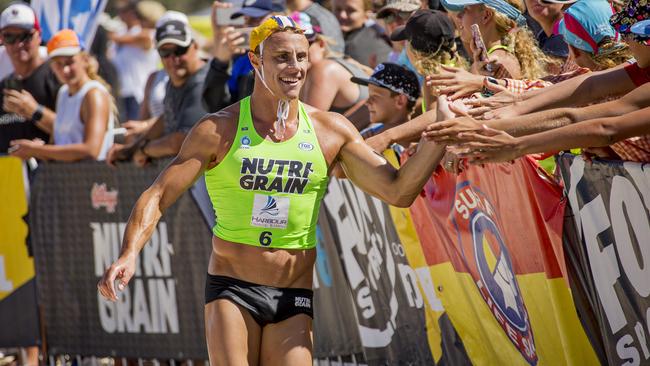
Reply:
x=38, y=113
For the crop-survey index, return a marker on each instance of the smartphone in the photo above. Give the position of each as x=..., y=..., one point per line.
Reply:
x=478, y=42
x=13, y=83
x=223, y=15
x=246, y=34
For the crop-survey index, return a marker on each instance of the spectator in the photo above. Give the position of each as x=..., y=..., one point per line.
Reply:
x=431, y=45
x=510, y=45
x=394, y=91
x=84, y=118
x=230, y=45
x=395, y=14
x=29, y=92
x=187, y=72
x=592, y=41
x=329, y=24
x=135, y=57
x=548, y=15
x=331, y=68
x=364, y=42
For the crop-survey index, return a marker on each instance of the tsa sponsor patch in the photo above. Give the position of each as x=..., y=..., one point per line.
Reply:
x=305, y=146
x=270, y=212
x=487, y=259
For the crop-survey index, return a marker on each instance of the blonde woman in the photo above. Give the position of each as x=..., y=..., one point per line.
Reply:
x=509, y=43
x=84, y=108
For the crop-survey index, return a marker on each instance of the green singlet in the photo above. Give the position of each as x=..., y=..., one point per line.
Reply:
x=268, y=193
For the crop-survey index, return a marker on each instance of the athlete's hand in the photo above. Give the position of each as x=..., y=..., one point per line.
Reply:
x=122, y=271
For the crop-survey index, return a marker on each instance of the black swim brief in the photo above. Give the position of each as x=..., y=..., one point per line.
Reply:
x=266, y=304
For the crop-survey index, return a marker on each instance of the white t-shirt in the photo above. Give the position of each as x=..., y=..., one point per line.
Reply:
x=134, y=65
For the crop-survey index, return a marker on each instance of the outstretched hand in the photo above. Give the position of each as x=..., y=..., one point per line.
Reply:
x=487, y=146
x=455, y=82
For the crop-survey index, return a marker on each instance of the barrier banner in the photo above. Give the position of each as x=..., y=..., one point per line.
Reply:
x=335, y=333
x=391, y=318
x=18, y=310
x=610, y=202
x=79, y=212
x=491, y=238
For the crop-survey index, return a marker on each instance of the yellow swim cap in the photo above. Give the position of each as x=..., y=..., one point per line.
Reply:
x=268, y=27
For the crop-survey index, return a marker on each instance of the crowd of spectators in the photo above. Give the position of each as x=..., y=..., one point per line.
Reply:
x=480, y=64
x=499, y=78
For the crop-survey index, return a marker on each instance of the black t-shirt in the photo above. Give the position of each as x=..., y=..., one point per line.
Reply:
x=43, y=85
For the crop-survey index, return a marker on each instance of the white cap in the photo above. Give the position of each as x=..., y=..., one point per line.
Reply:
x=19, y=15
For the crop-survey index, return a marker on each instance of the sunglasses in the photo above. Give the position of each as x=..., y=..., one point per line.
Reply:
x=13, y=38
x=176, y=51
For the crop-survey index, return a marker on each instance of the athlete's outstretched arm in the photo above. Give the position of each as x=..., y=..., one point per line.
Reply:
x=372, y=173
x=196, y=154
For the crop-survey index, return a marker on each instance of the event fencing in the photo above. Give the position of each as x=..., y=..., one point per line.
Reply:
x=485, y=268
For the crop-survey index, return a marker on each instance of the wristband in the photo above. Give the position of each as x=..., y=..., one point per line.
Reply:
x=38, y=113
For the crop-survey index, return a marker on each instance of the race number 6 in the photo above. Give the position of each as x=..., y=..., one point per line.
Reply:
x=265, y=238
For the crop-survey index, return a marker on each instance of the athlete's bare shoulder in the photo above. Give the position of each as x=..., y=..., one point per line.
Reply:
x=331, y=122
x=215, y=131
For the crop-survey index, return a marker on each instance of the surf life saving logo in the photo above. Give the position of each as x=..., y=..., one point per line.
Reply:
x=245, y=143
x=487, y=259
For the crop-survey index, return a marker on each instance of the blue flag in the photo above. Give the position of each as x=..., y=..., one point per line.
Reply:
x=82, y=16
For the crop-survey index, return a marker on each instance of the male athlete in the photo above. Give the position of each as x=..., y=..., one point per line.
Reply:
x=266, y=161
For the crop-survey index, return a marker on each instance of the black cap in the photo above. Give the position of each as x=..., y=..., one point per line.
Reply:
x=426, y=30
x=395, y=78
x=260, y=8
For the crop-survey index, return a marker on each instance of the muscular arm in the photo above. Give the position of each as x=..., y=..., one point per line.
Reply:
x=197, y=154
x=372, y=173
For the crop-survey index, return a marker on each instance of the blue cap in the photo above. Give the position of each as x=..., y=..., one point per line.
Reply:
x=259, y=9
x=641, y=28
x=586, y=23
x=499, y=5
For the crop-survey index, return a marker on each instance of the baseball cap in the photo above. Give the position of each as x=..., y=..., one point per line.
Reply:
x=259, y=8
x=19, y=15
x=634, y=11
x=270, y=26
x=398, y=5
x=173, y=28
x=499, y=5
x=310, y=25
x=586, y=23
x=65, y=42
x=426, y=30
x=395, y=78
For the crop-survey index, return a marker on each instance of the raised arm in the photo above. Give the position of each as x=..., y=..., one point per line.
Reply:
x=577, y=91
x=498, y=146
x=373, y=174
x=198, y=153
x=448, y=131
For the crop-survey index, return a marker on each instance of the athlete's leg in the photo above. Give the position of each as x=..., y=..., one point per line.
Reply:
x=233, y=336
x=288, y=342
